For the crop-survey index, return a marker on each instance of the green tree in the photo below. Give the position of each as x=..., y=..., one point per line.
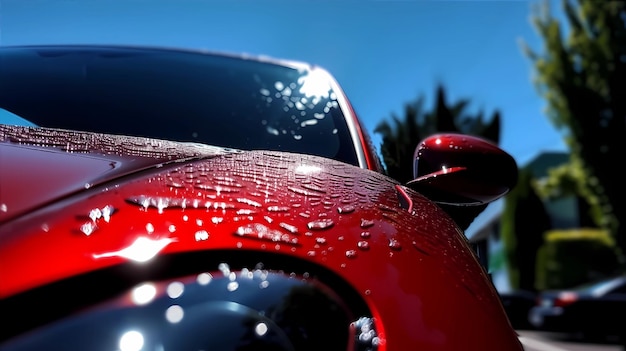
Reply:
x=582, y=77
x=524, y=222
x=400, y=136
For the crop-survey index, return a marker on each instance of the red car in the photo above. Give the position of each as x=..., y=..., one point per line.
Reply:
x=157, y=199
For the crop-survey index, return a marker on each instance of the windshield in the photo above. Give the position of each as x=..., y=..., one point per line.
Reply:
x=182, y=96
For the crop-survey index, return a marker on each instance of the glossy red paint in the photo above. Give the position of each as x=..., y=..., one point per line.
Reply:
x=408, y=260
x=462, y=170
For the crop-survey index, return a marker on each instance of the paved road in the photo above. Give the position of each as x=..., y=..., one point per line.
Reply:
x=539, y=341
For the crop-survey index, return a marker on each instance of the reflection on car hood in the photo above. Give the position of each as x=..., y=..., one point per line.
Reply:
x=40, y=165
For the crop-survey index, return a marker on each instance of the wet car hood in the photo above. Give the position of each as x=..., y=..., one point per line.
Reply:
x=161, y=200
x=41, y=165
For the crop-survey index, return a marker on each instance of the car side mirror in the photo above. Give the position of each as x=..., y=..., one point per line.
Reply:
x=462, y=170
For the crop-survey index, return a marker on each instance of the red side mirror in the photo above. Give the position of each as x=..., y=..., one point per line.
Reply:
x=462, y=170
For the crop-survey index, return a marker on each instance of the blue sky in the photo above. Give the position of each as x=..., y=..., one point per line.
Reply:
x=383, y=53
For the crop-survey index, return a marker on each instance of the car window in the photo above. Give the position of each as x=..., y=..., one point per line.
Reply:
x=181, y=96
x=10, y=118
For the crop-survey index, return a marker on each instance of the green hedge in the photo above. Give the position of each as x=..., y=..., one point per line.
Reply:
x=573, y=257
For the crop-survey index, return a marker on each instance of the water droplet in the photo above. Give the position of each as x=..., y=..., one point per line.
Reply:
x=149, y=228
x=394, y=244
x=232, y=286
x=320, y=240
x=366, y=223
x=107, y=211
x=3, y=208
x=368, y=292
x=278, y=209
x=249, y=202
x=366, y=235
x=175, y=289
x=95, y=214
x=346, y=209
x=224, y=268
x=363, y=245
x=216, y=220
x=204, y=278
x=262, y=232
x=290, y=228
x=201, y=235
x=311, y=253
x=245, y=212
x=320, y=224
x=351, y=254
x=174, y=314
x=171, y=228
x=88, y=228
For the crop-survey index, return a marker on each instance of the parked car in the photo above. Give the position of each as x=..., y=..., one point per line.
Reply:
x=517, y=304
x=592, y=310
x=161, y=199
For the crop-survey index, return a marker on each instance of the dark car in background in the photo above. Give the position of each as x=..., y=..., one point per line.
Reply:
x=161, y=199
x=517, y=304
x=593, y=310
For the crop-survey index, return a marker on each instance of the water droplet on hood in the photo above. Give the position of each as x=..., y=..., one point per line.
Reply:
x=290, y=228
x=262, y=232
x=320, y=224
x=366, y=223
x=88, y=228
x=363, y=245
x=346, y=209
x=394, y=244
x=278, y=209
x=201, y=235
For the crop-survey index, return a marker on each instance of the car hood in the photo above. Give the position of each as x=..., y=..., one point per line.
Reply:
x=148, y=202
x=41, y=165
